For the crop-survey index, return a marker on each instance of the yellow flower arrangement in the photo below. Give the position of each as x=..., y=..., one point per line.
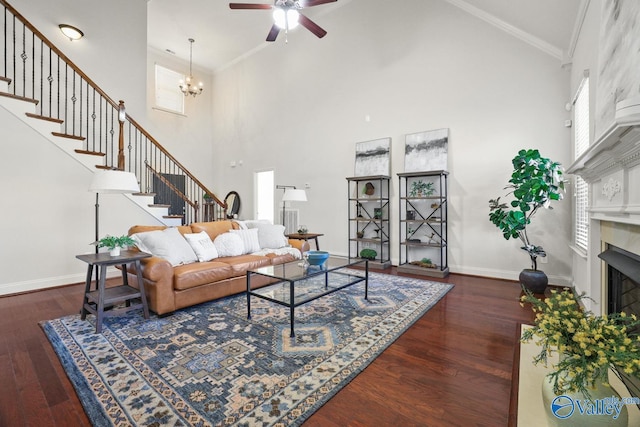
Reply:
x=589, y=345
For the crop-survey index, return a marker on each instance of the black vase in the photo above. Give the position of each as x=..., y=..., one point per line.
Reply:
x=534, y=280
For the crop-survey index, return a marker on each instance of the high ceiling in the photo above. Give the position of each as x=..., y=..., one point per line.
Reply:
x=223, y=35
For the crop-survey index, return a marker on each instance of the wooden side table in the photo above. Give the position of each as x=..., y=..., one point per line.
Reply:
x=305, y=237
x=95, y=301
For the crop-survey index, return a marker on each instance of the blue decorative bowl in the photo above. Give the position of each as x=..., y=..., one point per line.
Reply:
x=317, y=257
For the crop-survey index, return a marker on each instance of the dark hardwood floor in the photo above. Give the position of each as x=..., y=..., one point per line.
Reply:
x=453, y=367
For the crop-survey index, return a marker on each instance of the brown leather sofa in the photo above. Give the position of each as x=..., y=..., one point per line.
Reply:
x=171, y=288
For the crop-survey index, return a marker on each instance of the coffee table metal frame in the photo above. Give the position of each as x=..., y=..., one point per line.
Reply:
x=298, y=278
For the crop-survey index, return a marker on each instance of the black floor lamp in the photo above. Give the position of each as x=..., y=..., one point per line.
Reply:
x=114, y=182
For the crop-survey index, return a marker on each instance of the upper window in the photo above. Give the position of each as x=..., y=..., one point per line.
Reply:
x=168, y=96
x=581, y=143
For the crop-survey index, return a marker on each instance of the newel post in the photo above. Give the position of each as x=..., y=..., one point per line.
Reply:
x=122, y=114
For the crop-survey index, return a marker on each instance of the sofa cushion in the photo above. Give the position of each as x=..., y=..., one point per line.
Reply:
x=251, y=223
x=202, y=245
x=229, y=245
x=213, y=228
x=243, y=263
x=249, y=239
x=271, y=236
x=289, y=253
x=167, y=243
x=200, y=273
x=183, y=229
x=281, y=258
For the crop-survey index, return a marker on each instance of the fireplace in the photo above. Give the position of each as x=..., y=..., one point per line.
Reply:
x=623, y=293
x=611, y=167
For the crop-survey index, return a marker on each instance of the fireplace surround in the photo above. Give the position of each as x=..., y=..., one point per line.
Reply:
x=611, y=167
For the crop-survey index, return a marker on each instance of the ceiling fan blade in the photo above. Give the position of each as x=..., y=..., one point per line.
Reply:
x=310, y=3
x=311, y=26
x=273, y=34
x=250, y=6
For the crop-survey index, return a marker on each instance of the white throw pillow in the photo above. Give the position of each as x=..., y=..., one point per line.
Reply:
x=254, y=223
x=168, y=244
x=249, y=239
x=272, y=236
x=202, y=245
x=229, y=244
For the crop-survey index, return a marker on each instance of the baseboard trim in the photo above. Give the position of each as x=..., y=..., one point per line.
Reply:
x=9, y=289
x=505, y=274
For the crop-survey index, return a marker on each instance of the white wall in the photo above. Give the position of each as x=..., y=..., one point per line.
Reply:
x=48, y=214
x=585, y=57
x=300, y=107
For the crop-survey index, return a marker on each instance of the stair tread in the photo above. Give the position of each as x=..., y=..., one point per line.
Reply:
x=22, y=98
x=91, y=153
x=159, y=206
x=5, y=79
x=143, y=194
x=104, y=167
x=66, y=135
x=173, y=216
x=47, y=118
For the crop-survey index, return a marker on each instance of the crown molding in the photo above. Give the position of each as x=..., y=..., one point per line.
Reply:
x=534, y=41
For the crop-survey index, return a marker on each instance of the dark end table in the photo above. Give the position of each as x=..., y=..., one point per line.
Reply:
x=95, y=301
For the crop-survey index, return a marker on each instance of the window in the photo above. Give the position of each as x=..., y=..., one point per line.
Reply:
x=168, y=96
x=581, y=143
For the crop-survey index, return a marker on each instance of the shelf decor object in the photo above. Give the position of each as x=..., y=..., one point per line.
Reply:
x=423, y=223
x=369, y=229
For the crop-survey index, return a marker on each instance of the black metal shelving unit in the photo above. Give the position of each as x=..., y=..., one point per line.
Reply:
x=369, y=223
x=423, y=223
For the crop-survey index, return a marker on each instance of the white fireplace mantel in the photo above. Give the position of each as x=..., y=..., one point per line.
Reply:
x=611, y=166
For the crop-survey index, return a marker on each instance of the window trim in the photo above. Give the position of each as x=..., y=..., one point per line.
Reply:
x=581, y=142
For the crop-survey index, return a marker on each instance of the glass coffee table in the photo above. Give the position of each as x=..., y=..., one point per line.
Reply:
x=292, y=284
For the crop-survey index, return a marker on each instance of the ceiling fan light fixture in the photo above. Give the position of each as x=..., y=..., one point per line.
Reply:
x=287, y=19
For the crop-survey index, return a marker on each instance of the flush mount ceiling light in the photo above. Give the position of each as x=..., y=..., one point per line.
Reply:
x=186, y=86
x=70, y=31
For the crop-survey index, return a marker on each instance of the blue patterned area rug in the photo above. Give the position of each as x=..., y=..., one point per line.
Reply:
x=208, y=365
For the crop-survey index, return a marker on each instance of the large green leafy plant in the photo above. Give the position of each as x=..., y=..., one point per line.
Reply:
x=535, y=182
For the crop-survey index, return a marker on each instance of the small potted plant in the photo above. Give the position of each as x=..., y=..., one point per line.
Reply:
x=536, y=182
x=207, y=198
x=420, y=188
x=114, y=244
x=369, y=254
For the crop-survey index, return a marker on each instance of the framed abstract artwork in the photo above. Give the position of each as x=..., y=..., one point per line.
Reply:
x=373, y=157
x=426, y=151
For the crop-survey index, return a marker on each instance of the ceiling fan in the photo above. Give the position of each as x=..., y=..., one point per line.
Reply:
x=286, y=14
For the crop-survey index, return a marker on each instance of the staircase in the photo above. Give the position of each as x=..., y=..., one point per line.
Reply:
x=46, y=90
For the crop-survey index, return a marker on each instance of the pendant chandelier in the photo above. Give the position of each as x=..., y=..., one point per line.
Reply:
x=188, y=87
